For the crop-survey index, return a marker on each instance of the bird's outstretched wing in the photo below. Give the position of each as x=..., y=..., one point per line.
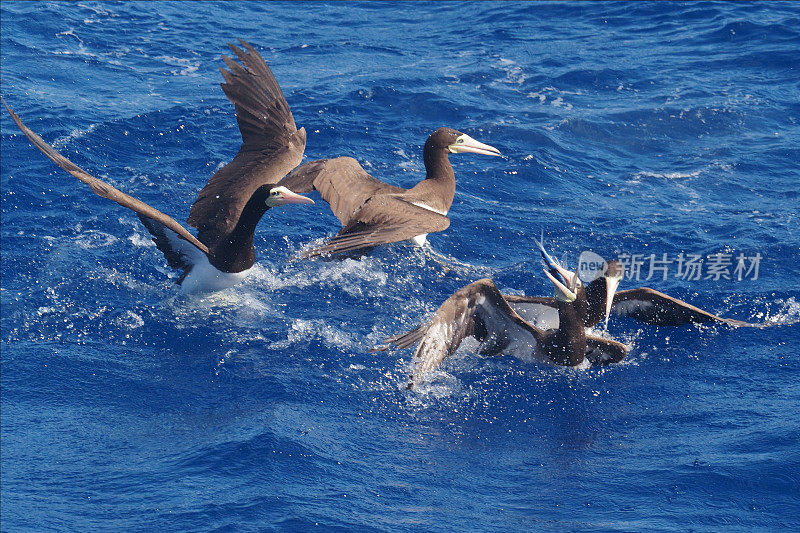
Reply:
x=382, y=220
x=271, y=144
x=644, y=304
x=105, y=190
x=602, y=351
x=477, y=310
x=371, y=212
x=658, y=309
x=179, y=254
x=342, y=182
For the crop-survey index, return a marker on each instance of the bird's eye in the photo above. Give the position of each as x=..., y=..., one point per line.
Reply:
x=460, y=140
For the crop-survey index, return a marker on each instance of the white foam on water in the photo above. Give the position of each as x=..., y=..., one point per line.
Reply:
x=408, y=163
x=98, y=10
x=186, y=66
x=666, y=175
x=301, y=331
x=353, y=276
x=141, y=241
x=71, y=33
x=551, y=127
x=239, y=301
x=126, y=280
x=436, y=384
x=514, y=73
x=61, y=142
x=554, y=96
x=559, y=102
x=91, y=239
x=779, y=313
x=129, y=320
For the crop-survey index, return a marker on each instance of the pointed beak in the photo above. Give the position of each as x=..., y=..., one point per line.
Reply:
x=466, y=144
x=611, y=287
x=562, y=292
x=570, y=278
x=289, y=197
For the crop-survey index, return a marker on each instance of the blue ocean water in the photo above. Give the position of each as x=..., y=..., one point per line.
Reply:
x=626, y=128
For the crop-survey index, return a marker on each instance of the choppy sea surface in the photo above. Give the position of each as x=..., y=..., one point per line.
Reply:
x=627, y=128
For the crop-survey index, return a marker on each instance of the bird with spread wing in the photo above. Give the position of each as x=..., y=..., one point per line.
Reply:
x=236, y=197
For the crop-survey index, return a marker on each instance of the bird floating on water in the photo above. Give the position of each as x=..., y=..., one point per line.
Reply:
x=479, y=310
x=372, y=212
x=229, y=207
x=549, y=329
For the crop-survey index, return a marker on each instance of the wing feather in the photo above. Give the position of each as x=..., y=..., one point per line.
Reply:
x=370, y=211
x=382, y=219
x=656, y=308
x=342, y=182
x=477, y=310
x=602, y=351
x=271, y=145
x=402, y=340
x=103, y=189
x=179, y=254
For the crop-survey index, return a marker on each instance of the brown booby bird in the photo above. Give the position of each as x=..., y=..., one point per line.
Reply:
x=643, y=304
x=233, y=201
x=372, y=212
x=479, y=310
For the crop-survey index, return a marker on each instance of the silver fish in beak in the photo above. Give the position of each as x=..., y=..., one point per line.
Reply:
x=564, y=281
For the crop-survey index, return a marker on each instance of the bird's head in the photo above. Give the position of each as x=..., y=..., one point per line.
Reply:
x=456, y=142
x=280, y=195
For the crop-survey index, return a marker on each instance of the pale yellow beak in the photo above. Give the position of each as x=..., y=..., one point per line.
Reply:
x=466, y=144
x=562, y=292
x=282, y=196
x=611, y=287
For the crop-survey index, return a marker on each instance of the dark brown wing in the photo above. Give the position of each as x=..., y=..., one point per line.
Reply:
x=658, y=309
x=103, y=189
x=402, y=340
x=342, y=182
x=262, y=112
x=477, y=310
x=271, y=145
x=602, y=351
x=381, y=220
